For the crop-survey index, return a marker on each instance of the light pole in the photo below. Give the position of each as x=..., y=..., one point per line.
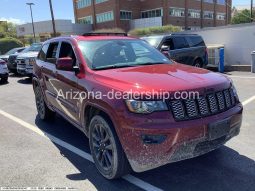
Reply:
x=53, y=20
x=30, y=5
x=251, y=11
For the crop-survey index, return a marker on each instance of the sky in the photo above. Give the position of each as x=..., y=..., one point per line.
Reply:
x=18, y=12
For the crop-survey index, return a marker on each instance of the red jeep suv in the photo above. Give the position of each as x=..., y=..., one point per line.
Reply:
x=132, y=103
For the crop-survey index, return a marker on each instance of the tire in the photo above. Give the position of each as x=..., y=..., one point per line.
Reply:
x=106, y=150
x=198, y=63
x=44, y=112
x=4, y=80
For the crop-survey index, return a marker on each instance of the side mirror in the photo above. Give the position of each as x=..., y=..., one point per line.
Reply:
x=165, y=48
x=166, y=53
x=65, y=64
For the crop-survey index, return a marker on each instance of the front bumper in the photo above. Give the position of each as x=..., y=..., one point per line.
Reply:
x=25, y=71
x=4, y=75
x=184, y=140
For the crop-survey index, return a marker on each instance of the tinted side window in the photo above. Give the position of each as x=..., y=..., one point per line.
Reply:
x=52, y=53
x=195, y=41
x=43, y=52
x=66, y=50
x=180, y=42
x=169, y=43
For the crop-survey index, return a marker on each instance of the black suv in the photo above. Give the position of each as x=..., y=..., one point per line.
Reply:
x=187, y=49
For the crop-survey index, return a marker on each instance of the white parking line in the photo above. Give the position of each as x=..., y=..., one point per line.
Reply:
x=244, y=77
x=248, y=101
x=133, y=180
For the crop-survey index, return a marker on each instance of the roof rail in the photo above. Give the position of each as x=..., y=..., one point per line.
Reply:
x=105, y=34
x=183, y=34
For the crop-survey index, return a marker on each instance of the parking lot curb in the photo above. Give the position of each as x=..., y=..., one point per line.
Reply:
x=240, y=68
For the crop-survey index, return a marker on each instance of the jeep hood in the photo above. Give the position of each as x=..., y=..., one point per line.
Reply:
x=28, y=55
x=162, y=77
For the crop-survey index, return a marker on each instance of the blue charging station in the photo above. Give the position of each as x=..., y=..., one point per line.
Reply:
x=221, y=60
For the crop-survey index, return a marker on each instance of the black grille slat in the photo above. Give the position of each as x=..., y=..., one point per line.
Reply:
x=221, y=100
x=232, y=96
x=213, y=103
x=203, y=106
x=227, y=98
x=191, y=108
x=178, y=109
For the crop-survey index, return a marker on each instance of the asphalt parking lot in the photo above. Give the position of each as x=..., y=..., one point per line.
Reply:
x=38, y=154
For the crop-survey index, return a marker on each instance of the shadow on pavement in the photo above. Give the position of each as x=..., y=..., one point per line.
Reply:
x=25, y=81
x=220, y=170
x=3, y=83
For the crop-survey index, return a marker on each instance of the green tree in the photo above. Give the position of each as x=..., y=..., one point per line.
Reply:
x=7, y=29
x=242, y=17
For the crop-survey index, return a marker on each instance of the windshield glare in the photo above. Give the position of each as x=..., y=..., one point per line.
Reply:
x=120, y=53
x=153, y=41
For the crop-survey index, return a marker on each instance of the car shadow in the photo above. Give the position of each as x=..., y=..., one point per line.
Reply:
x=4, y=83
x=25, y=81
x=223, y=169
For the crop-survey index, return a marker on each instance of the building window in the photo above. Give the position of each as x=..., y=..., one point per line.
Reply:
x=152, y=13
x=208, y=1
x=221, y=2
x=125, y=15
x=194, y=13
x=176, y=12
x=85, y=20
x=104, y=17
x=208, y=14
x=100, y=1
x=83, y=3
x=221, y=16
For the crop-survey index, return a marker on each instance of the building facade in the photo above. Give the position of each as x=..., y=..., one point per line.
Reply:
x=188, y=14
x=44, y=30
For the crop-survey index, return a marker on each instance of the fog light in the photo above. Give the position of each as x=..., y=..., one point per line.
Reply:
x=153, y=139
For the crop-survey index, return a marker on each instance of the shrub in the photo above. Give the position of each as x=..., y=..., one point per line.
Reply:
x=154, y=30
x=7, y=44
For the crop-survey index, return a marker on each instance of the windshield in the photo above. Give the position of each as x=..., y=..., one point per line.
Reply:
x=36, y=47
x=153, y=40
x=120, y=53
x=26, y=50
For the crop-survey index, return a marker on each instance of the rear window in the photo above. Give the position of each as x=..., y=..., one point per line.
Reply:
x=195, y=41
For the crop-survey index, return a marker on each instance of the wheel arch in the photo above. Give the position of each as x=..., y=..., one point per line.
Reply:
x=91, y=110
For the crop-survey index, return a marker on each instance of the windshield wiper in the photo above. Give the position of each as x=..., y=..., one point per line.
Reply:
x=150, y=63
x=126, y=65
x=113, y=66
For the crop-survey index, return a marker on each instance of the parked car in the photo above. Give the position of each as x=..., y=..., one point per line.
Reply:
x=187, y=49
x=126, y=132
x=5, y=56
x=26, y=60
x=11, y=63
x=4, y=73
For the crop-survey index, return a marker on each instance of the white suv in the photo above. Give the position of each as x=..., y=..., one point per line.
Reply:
x=4, y=73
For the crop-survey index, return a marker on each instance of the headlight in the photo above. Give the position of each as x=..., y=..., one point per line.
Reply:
x=31, y=61
x=146, y=106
